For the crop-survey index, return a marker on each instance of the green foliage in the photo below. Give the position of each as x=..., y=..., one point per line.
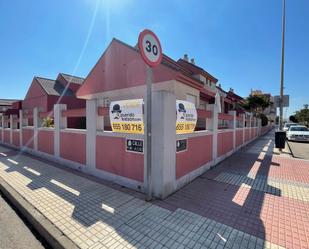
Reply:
x=303, y=115
x=293, y=119
x=256, y=104
x=264, y=119
x=48, y=122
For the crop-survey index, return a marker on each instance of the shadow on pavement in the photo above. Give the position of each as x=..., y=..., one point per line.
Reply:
x=87, y=202
x=226, y=193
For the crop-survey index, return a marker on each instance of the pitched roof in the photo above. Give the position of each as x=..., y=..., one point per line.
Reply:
x=53, y=87
x=166, y=61
x=114, y=71
x=7, y=102
x=234, y=96
x=196, y=69
x=73, y=79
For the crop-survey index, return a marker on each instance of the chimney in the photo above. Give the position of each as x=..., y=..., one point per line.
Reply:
x=185, y=57
x=231, y=90
x=219, y=85
x=192, y=61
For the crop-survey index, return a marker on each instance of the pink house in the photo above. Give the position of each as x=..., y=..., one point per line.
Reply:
x=119, y=74
x=45, y=93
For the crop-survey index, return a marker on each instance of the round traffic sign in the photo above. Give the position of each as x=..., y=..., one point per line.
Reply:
x=150, y=48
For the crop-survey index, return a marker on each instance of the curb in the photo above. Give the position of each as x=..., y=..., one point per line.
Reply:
x=54, y=237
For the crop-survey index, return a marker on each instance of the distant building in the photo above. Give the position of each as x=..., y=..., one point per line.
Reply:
x=45, y=93
x=6, y=104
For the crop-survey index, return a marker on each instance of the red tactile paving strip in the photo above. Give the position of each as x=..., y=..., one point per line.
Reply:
x=280, y=220
x=265, y=165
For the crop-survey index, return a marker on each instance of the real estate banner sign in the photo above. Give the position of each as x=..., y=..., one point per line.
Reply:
x=126, y=116
x=186, y=117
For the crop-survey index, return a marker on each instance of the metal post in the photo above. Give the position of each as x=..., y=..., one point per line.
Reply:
x=282, y=67
x=148, y=133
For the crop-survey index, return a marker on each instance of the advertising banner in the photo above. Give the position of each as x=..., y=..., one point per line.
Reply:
x=186, y=117
x=126, y=116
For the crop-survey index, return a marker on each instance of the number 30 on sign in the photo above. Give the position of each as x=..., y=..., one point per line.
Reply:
x=150, y=48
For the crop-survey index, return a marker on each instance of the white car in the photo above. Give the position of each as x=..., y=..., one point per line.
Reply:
x=298, y=133
x=287, y=126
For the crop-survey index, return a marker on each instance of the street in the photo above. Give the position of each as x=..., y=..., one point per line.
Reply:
x=13, y=231
x=300, y=149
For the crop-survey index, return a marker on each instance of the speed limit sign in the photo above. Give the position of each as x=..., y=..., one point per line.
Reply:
x=150, y=48
x=151, y=52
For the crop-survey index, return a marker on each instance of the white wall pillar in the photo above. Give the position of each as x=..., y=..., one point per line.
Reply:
x=163, y=144
x=21, y=124
x=60, y=123
x=214, y=125
x=233, y=113
x=35, y=127
x=11, y=129
x=91, y=124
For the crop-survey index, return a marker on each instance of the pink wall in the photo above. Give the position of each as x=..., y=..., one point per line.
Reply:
x=35, y=97
x=247, y=135
x=239, y=137
x=252, y=133
x=28, y=138
x=6, y=136
x=112, y=157
x=199, y=152
x=16, y=138
x=225, y=142
x=73, y=147
x=71, y=102
x=46, y=141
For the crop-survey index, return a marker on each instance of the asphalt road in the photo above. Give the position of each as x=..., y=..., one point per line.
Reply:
x=300, y=149
x=14, y=233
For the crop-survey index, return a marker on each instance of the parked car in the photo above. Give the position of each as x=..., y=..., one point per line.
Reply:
x=298, y=133
x=287, y=126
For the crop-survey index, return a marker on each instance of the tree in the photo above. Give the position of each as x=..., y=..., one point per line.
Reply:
x=293, y=119
x=264, y=119
x=303, y=115
x=256, y=104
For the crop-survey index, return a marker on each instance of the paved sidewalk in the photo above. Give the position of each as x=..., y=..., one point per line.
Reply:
x=256, y=192
x=215, y=211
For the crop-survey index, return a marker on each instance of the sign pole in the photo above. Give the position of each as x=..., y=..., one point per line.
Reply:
x=148, y=153
x=151, y=52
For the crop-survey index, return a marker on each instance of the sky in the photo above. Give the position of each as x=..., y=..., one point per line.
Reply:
x=237, y=41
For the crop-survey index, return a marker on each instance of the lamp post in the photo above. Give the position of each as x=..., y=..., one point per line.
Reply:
x=282, y=68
